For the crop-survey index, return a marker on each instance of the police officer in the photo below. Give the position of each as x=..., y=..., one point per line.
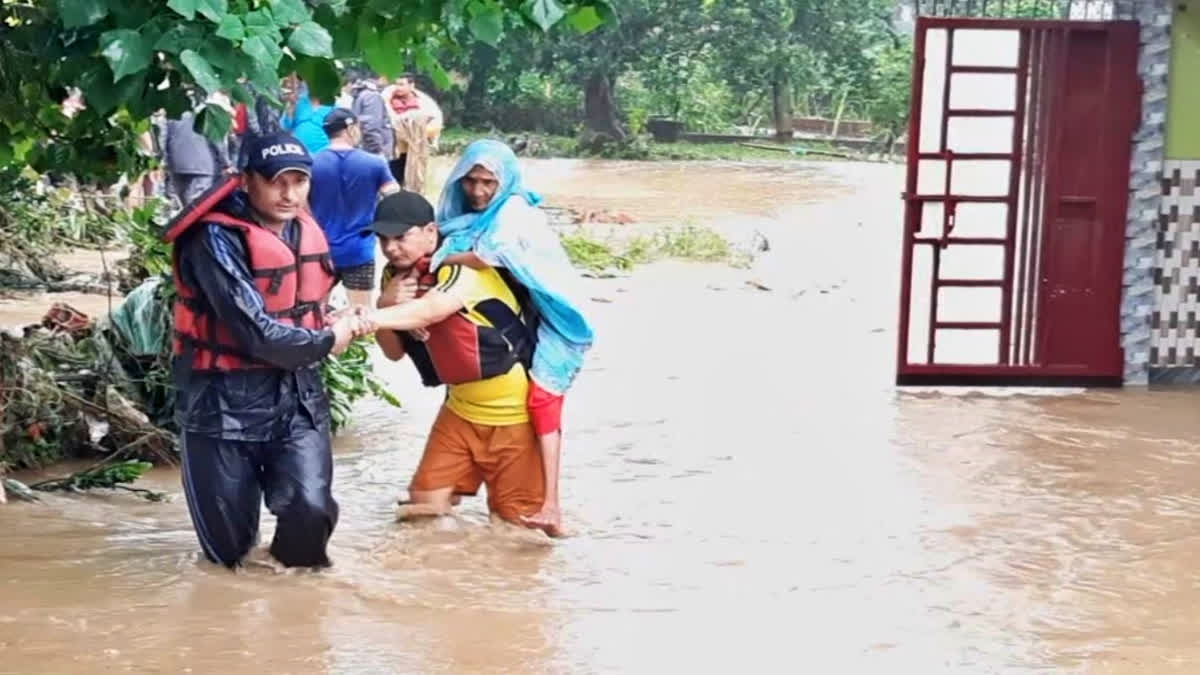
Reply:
x=252, y=275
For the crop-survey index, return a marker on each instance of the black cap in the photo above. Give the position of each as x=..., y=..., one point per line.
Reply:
x=273, y=154
x=337, y=121
x=401, y=211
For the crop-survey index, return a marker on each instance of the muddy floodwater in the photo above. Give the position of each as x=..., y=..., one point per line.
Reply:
x=748, y=492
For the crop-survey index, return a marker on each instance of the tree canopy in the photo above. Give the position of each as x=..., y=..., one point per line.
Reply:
x=131, y=58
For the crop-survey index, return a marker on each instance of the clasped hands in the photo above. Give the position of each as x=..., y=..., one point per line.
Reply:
x=347, y=325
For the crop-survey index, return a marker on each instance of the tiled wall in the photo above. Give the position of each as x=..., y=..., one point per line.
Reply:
x=1138, y=301
x=1175, y=321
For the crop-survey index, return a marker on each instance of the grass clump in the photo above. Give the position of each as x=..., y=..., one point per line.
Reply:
x=689, y=242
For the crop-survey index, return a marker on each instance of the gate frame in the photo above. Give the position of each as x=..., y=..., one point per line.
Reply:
x=999, y=374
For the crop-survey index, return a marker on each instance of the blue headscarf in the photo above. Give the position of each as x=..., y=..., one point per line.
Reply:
x=512, y=234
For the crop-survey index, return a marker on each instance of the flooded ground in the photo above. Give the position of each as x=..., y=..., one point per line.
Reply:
x=747, y=490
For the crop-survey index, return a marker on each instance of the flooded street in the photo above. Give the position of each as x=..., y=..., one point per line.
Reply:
x=746, y=488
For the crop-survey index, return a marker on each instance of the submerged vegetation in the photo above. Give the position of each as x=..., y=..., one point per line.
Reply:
x=688, y=242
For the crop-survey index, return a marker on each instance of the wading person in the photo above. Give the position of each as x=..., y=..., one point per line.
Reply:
x=488, y=218
x=466, y=329
x=417, y=121
x=252, y=276
x=346, y=184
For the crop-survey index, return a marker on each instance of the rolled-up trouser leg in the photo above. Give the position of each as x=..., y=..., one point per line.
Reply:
x=220, y=482
x=297, y=479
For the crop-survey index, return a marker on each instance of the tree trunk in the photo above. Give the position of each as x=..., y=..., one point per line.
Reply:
x=599, y=109
x=781, y=98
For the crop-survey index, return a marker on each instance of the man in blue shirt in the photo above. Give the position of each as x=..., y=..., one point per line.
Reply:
x=346, y=184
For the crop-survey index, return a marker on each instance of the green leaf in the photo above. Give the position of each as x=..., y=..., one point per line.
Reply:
x=607, y=12
x=429, y=64
x=21, y=149
x=201, y=71
x=261, y=22
x=384, y=53
x=240, y=94
x=103, y=95
x=126, y=51
x=263, y=50
x=184, y=8
x=232, y=63
x=215, y=122
x=312, y=39
x=266, y=80
x=289, y=12
x=81, y=13
x=545, y=13
x=344, y=35
x=213, y=10
x=179, y=38
x=231, y=28
x=487, y=24
x=584, y=19
x=320, y=75
x=387, y=9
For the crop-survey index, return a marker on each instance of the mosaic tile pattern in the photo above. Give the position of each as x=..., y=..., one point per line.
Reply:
x=1139, y=299
x=1174, y=323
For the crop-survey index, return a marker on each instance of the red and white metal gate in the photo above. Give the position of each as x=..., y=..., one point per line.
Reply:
x=1018, y=167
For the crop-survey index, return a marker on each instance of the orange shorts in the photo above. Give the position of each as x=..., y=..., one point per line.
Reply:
x=462, y=454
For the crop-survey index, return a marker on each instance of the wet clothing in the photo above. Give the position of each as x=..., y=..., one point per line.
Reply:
x=244, y=405
x=545, y=410
x=498, y=400
x=482, y=434
x=463, y=455
x=345, y=189
x=479, y=352
x=245, y=431
x=512, y=233
x=225, y=482
x=292, y=277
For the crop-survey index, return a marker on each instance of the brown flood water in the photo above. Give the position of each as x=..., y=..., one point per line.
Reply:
x=746, y=487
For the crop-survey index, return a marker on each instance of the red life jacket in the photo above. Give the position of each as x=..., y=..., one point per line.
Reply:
x=294, y=284
x=459, y=350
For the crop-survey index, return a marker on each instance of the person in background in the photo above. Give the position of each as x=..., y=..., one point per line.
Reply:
x=305, y=117
x=371, y=112
x=346, y=184
x=417, y=122
x=192, y=161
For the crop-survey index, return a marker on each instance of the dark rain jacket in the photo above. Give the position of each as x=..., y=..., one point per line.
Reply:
x=251, y=405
